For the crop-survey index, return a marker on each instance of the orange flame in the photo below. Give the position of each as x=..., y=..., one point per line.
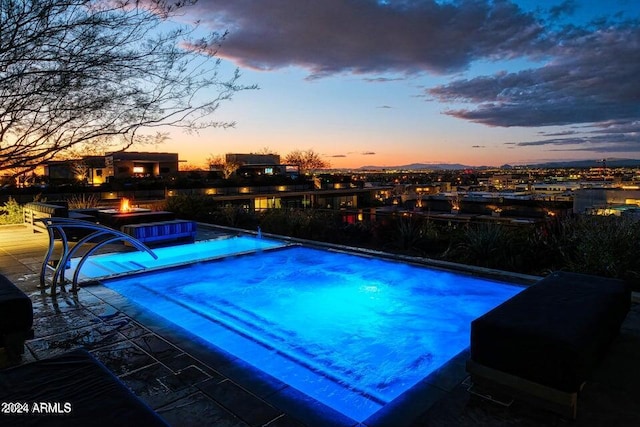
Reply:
x=124, y=205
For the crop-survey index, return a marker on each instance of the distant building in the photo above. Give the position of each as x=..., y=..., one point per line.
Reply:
x=253, y=159
x=95, y=170
x=252, y=165
x=606, y=201
x=141, y=165
x=89, y=170
x=501, y=182
x=59, y=171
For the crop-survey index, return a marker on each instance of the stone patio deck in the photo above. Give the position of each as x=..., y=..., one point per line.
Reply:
x=187, y=391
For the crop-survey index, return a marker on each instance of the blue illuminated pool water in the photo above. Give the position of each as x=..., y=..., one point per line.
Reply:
x=117, y=263
x=352, y=332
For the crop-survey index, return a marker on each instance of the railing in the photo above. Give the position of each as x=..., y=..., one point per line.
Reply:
x=57, y=225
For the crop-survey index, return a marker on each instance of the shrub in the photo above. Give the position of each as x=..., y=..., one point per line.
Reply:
x=11, y=212
x=232, y=216
x=408, y=233
x=487, y=245
x=411, y=234
x=606, y=246
x=83, y=201
x=189, y=206
x=548, y=246
x=311, y=224
x=359, y=233
x=294, y=223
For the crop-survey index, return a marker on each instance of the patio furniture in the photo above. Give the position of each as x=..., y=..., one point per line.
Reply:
x=162, y=231
x=542, y=344
x=16, y=319
x=74, y=389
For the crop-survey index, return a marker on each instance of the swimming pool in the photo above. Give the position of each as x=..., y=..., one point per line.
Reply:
x=352, y=332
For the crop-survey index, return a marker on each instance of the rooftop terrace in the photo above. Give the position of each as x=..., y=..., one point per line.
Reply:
x=187, y=388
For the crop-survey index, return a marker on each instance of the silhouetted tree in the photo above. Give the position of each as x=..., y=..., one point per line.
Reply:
x=89, y=71
x=220, y=162
x=306, y=160
x=266, y=150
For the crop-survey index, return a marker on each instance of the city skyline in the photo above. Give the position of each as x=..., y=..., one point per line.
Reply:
x=397, y=82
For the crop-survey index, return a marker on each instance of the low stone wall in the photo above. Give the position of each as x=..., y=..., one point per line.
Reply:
x=35, y=211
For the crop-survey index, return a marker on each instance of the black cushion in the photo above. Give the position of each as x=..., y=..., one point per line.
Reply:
x=554, y=332
x=94, y=396
x=16, y=312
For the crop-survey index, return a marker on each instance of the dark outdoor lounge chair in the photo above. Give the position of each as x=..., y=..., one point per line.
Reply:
x=542, y=344
x=74, y=389
x=16, y=319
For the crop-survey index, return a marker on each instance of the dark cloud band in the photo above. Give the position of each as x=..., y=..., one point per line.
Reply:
x=367, y=36
x=587, y=75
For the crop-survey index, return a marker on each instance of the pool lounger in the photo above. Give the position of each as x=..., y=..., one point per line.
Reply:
x=162, y=231
x=542, y=344
x=73, y=389
x=16, y=320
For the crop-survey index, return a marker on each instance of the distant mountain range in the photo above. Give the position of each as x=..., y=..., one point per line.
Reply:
x=419, y=166
x=613, y=163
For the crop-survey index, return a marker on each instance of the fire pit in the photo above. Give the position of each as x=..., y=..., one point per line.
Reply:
x=125, y=207
x=125, y=215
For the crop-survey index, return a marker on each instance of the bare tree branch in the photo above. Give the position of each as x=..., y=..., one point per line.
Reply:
x=220, y=162
x=78, y=71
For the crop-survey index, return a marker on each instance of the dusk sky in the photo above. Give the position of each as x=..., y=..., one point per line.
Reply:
x=365, y=82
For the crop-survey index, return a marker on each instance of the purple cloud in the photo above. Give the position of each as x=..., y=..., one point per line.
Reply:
x=590, y=78
x=367, y=36
x=382, y=79
x=611, y=136
x=567, y=7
